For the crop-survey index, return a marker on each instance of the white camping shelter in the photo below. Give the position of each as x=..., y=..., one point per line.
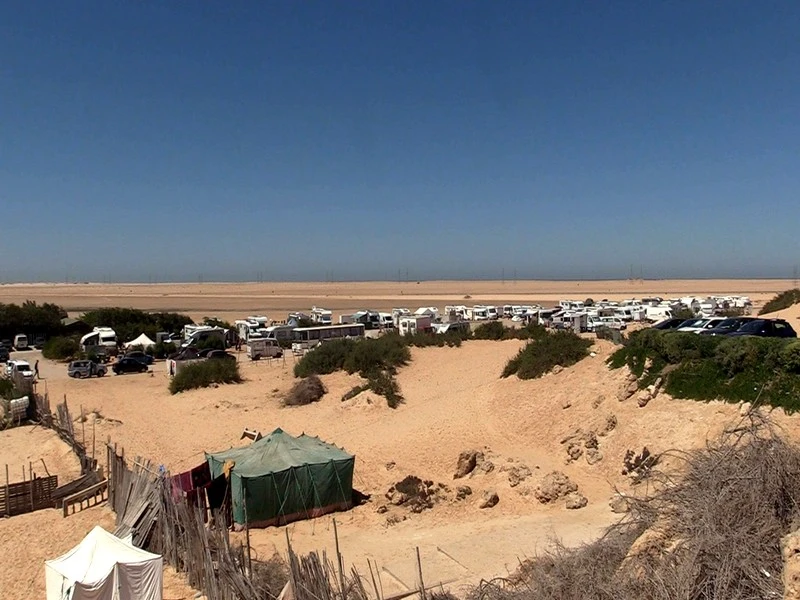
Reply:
x=104, y=567
x=142, y=340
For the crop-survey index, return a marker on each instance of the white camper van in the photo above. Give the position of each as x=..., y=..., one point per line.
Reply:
x=101, y=338
x=20, y=341
x=258, y=348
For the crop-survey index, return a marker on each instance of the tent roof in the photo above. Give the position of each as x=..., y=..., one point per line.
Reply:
x=92, y=560
x=278, y=452
x=142, y=340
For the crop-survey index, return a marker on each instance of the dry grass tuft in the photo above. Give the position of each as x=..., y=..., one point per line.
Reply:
x=711, y=531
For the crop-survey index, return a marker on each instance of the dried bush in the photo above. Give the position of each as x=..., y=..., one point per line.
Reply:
x=305, y=391
x=711, y=531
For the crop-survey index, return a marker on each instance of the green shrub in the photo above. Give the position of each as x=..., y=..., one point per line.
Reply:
x=325, y=358
x=374, y=355
x=211, y=342
x=451, y=339
x=781, y=301
x=384, y=384
x=702, y=367
x=61, y=348
x=491, y=330
x=163, y=349
x=204, y=374
x=564, y=348
x=790, y=357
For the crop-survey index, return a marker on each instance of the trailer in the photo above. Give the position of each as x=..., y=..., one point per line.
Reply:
x=322, y=316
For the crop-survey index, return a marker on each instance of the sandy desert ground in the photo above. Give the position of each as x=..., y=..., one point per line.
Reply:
x=234, y=300
x=455, y=400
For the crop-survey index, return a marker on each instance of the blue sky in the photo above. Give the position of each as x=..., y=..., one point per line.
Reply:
x=303, y=140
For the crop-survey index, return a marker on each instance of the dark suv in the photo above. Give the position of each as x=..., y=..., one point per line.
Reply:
x=4, y=354
x=766, y=328
x=128, y=365
x=728, y=326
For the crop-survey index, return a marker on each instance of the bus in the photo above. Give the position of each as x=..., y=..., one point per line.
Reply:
x=304, y=338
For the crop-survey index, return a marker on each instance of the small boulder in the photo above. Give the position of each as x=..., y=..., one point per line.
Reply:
x=557, y=369
x=744, y=409
x=382, y=509
x=553, y=486
x=597, y=401
x=566, y=403
x=463, y=491
x=643, y=398
x=489, y=499
x=619, y=504
x=590, y=440
x=486, y=466
x=593, y=456
x=518, y=474
x=574, y=452
x=466, y=463
x=609, y=426
x=575, y=501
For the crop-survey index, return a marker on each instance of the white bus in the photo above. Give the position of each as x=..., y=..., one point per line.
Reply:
x=304, y=338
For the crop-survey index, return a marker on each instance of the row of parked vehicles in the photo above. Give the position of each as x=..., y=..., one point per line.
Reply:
x=730, y=326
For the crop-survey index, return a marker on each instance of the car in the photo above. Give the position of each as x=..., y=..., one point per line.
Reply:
x=4, y=354
x=128, y=365
x=140, y=356
x=82, y=369
x=765, y=328
x=669, y=324
x=698, y=325
x=727, y=326
x=220, y=355
x=19, y=366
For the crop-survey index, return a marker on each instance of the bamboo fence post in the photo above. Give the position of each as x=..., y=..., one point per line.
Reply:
x=421, y=582
x=30, y=474
x=8, y=495
x=339, y=560
x=247, y=533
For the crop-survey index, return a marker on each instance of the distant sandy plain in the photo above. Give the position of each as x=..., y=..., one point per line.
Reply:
x=234, y=300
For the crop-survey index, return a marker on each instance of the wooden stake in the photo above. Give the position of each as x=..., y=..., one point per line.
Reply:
x=8, y=494
x=247, y=532
x=421, y=582
x=339, y=560
x=83, y=426
x=30, y=473
x=45, y=467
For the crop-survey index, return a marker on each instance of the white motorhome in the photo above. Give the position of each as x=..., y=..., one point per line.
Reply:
x=100, y=338
x=21, y=341
x=387, y=320
x=258, y=348
x=654, y=314
x=508, y=311
x=478, y=313
x=279, y=332
x=429, y=311
x=456, y=313
x=492, y=313
x=411, y=324
x=193, y=335
x=246, y=329
x=323, y=316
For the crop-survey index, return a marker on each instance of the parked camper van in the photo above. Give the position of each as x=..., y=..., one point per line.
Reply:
x=322, y=316
x=655, y=314
x=478, y=313
x=102, y=340
x=411, y=324
x=258, y=348
x=492, y=313
x=387, y=321
x=193, y=335
x=21, y=341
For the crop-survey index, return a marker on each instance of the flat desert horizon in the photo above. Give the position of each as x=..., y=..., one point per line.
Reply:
x=234, y=300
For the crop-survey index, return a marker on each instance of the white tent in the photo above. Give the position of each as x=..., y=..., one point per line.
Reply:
x=104, y=567
x=142, y=340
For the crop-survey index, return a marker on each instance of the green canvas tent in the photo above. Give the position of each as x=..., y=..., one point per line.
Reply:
x=282, y=478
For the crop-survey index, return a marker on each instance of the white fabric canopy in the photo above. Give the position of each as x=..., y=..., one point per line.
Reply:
x=104, y=567
x=142, y=340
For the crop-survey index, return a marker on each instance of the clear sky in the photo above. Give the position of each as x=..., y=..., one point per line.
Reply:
x=161, y=140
